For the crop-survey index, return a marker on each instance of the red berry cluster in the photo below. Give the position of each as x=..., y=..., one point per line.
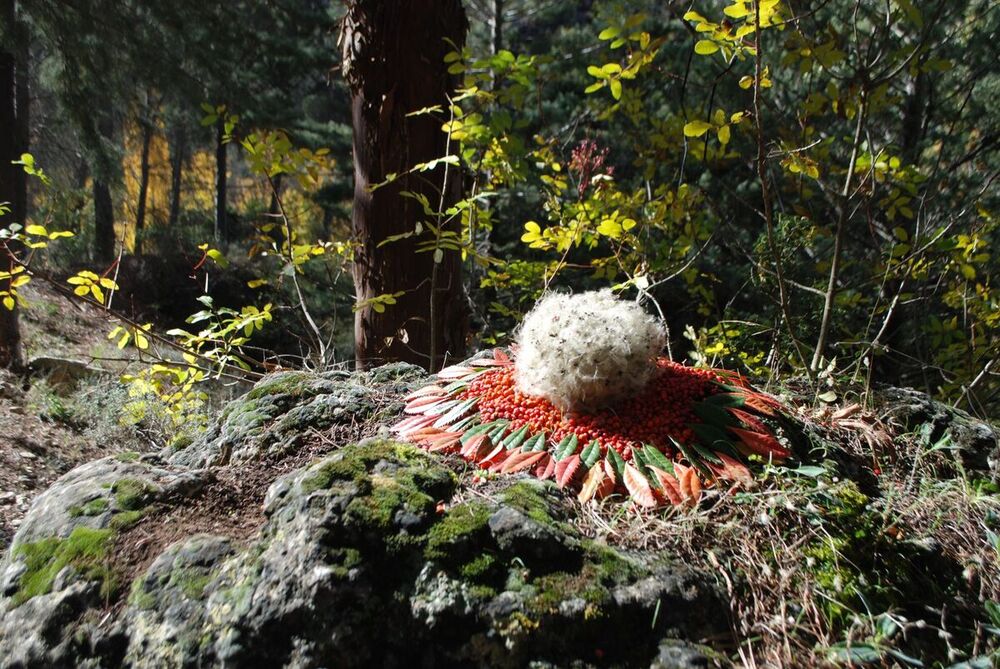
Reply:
x=661, y=411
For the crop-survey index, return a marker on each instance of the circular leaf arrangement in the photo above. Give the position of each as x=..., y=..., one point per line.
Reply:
x=686, y=430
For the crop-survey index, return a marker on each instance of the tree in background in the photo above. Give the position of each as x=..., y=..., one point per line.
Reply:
x=393, y=60
x=13, y=143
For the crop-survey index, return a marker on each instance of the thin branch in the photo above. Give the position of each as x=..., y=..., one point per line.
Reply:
x=838, y=240
x=765, y=189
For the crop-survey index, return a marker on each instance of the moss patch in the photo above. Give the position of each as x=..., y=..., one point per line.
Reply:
x=460, y=524
x=131, y=494
x=603, y=568
x=85, y=549
x=393, y=484
x=127, y=456
x=126, y=519
x=356, y=461
x=94, y=507
x=530, y=498
x=289, y=383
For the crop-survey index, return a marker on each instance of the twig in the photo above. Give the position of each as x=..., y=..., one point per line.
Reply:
x=838, y=240
x=766, y=194
x=295, y=281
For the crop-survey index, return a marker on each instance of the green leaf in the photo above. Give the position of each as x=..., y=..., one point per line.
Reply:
x=498, y=431
x=696, y=128
x=705, y=47
x=610, y=228
x=709, y=434
x=479, y=429
x=734, y=400
x=591, y=453
x=657, y=459
x=616, y=88
x=714, y=414
x=566, y=447
x=616, y=462
x=514, y=440
x=860, y=653
x=535, y=443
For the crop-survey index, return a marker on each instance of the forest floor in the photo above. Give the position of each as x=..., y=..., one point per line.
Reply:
x=66, y=412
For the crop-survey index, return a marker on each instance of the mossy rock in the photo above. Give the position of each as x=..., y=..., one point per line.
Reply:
x=84, y=550
x=276, y=414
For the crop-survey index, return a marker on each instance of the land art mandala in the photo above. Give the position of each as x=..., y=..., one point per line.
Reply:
x=597, y=412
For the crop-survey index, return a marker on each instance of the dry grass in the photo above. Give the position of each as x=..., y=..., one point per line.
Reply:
x=781, y=554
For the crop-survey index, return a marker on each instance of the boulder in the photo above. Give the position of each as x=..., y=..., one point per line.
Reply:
x=373, y=554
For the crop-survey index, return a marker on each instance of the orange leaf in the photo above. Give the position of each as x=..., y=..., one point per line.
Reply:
x=671, y=487
x=591, y=483
x=762, y=404
x=500, y=356
x=695, y=484
x=761, y=444
x=416, y=436
x=520, y=461
x=422, y=405
x=545, y=467
x=477, y=447
x=409, y=422
x=751, y=422
x=638, y=487
x=691, y=486
x=567, y=469
x=430, y=390
x=609, y=469
x=444, y=442
x=490, y=458
x=734, y=469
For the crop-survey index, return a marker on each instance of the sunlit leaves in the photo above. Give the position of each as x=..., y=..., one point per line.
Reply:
x=696, y=128
x=213, y=114
x=271, y=152
x=138, y=335
x=10, y=281
x=799, y=163
x=27, y=163
x=379, y=302
x=90, y=284
x=533, y=235
x=705, y=47
x=214, y=255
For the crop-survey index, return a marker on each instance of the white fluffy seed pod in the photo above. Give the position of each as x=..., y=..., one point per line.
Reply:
x=586, y=351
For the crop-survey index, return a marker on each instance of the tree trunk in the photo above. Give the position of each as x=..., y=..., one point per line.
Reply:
x=496, y=27
x=177, y=157
x=13, y=181
x=104, y=211
x=140, y=210
x=393, y=62
x=104, y=222
x=221, y=219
